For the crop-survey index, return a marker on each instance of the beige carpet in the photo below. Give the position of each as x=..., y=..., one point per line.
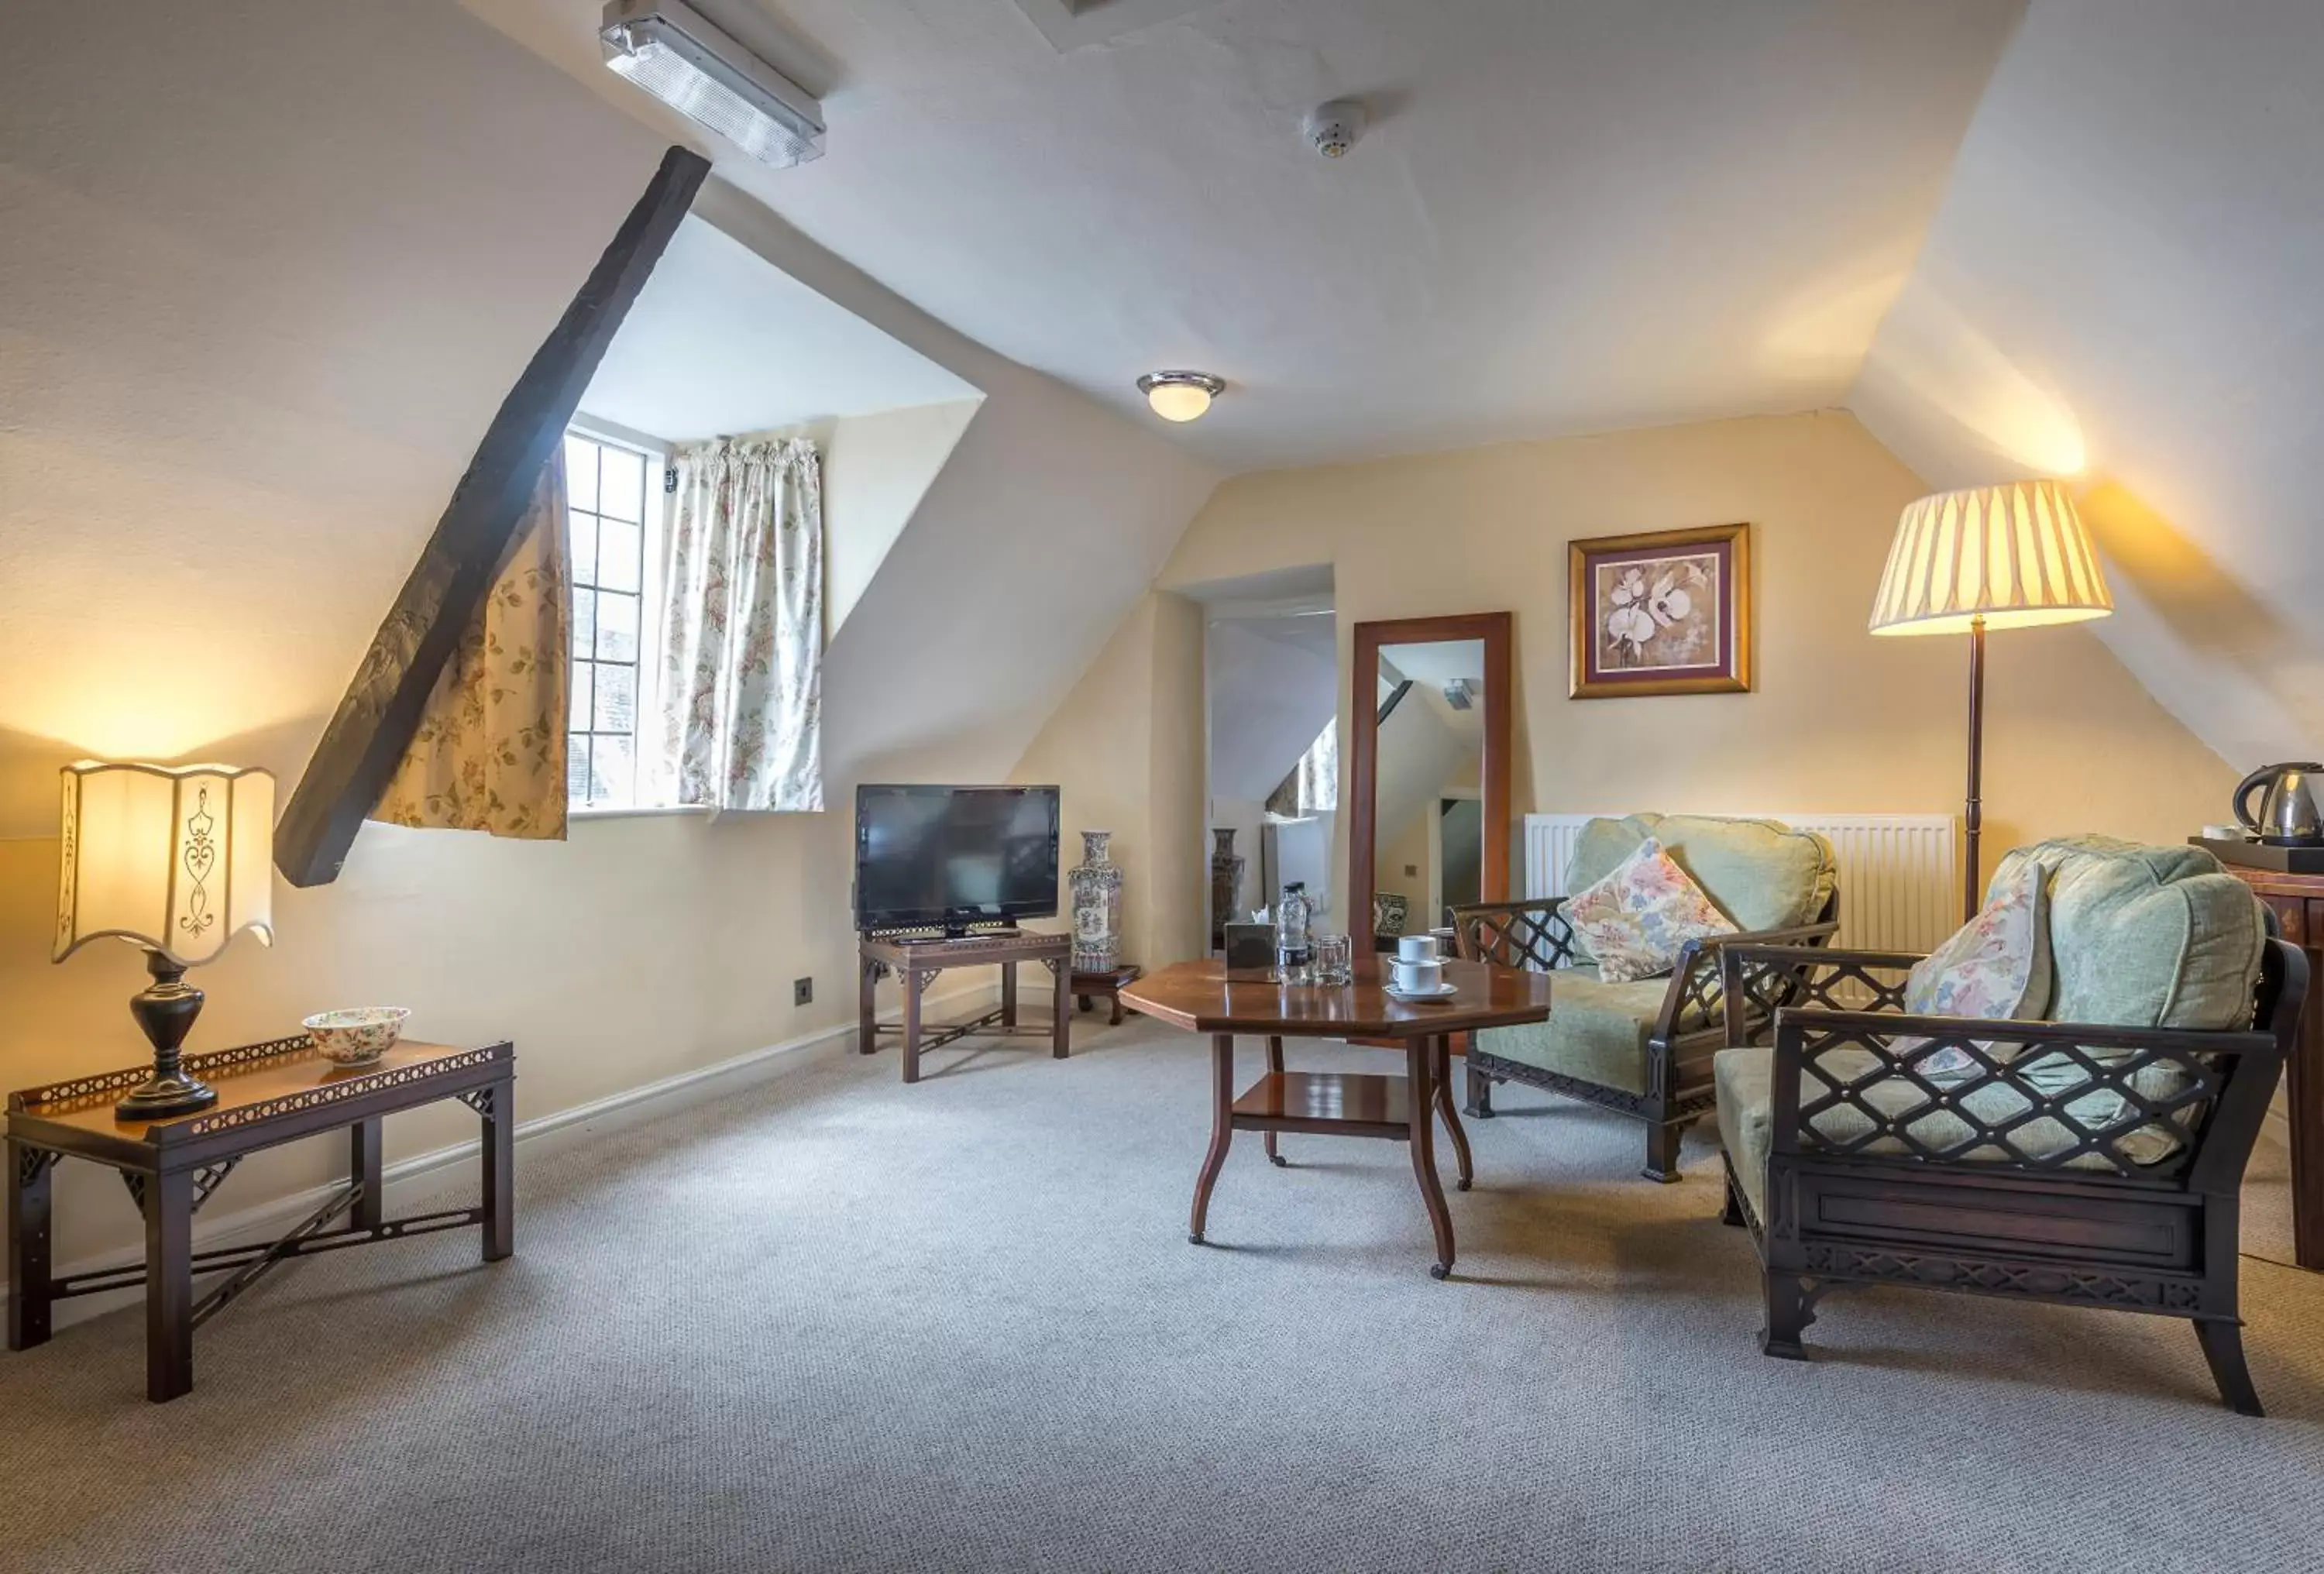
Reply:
x=837, y=1323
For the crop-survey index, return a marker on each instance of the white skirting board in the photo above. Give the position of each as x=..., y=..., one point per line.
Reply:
x=1898, y=886
x=647, y=1101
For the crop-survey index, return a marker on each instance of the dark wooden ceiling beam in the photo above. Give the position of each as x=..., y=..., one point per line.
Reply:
x=374, y=725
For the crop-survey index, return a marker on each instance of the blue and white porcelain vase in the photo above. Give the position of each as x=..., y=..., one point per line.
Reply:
x=1096, y=884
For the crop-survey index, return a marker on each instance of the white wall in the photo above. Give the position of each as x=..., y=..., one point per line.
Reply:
x=876, y=469
x=1272, y=685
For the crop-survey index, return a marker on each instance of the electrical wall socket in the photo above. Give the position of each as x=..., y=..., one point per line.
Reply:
x=802, y=991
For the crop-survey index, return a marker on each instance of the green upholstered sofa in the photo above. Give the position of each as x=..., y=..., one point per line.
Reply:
x=2091, y=1157
x=1645, y=1048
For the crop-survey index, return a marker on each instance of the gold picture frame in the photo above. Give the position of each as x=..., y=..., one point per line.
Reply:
x=1661, y=612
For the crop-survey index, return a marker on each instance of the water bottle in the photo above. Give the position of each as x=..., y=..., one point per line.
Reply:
x=1294, y=950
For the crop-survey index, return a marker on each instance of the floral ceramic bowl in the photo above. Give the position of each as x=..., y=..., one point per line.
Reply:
x=358, y=1036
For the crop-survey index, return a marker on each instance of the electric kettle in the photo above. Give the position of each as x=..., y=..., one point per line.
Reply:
x=2288, y=814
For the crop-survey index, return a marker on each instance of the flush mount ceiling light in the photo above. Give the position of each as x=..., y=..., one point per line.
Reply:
x=1180, y=396
x=680, y=57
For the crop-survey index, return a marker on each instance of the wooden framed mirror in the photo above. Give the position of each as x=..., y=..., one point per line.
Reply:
x=1428, y=771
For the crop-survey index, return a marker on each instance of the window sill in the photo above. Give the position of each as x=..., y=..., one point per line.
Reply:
x=643, y=812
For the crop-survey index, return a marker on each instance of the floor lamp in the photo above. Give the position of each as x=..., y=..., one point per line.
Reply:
x=2007, y=556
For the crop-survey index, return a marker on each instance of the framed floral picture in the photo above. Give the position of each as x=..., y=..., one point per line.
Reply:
x=1664, y=613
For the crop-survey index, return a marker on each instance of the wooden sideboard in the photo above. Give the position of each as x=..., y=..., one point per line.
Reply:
x=2298, y=901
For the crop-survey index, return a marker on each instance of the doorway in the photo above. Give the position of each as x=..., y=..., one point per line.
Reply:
x=1460, y=853
x=1270, y=683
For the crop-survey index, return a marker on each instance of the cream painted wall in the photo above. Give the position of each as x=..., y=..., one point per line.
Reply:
x=1839, y=722
x=1126, y=748
x=241, y=365
x=1405, y=845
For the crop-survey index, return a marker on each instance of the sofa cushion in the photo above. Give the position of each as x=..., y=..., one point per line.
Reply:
x=1595, y=1032
x=1995, y=965
x=1635, y=920
x=2139, y=937
x=1762, y=873
x=2146, y=936
x=2142, y=937
x=1745, y=1080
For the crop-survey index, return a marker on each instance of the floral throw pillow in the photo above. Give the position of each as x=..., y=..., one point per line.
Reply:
x=1996, y=965
x=1635, y=919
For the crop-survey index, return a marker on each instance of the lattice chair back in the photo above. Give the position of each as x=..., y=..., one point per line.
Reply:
x=2160, y=958
x=1533, y=936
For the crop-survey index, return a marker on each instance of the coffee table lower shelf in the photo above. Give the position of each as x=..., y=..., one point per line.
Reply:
x=1327, y=1104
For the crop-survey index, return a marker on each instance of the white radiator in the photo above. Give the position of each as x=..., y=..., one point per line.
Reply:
x=1898, y=886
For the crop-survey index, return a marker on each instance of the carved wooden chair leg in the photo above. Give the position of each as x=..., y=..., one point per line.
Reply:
x=1478, y=1088
x=1791, y=1307
x=2223, y=1349
x=1275, y=1065
x=1662, y=1149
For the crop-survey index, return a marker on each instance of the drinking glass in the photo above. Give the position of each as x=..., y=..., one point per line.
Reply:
x=1335, y=960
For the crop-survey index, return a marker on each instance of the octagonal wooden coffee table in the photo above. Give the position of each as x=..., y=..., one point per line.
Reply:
x=1206, y=997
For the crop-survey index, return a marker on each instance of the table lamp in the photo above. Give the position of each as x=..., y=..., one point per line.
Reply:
x=2005, y=557
x=174, y=859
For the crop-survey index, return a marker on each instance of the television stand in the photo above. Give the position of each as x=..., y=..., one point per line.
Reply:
x=916, y=960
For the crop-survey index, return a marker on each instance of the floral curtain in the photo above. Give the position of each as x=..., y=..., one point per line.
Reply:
x=743, y=628
x=489, y=754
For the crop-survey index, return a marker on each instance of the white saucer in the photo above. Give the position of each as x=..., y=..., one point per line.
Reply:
x=1441, y=992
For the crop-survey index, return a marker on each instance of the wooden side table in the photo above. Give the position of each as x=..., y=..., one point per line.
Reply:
x=268, y=1093
x=1090, y=987
x=2298, y=903
x=917, y=960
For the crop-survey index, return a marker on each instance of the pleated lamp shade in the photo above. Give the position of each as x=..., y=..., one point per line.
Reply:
x=177, y=859
x=2014, y=555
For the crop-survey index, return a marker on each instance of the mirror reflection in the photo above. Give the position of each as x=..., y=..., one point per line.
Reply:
x=1428, y=820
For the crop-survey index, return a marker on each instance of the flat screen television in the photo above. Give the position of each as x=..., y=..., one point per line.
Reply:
x=952, y=856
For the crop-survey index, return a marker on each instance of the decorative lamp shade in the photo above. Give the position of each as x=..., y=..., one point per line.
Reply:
x=2014, y=555
x=174, y=858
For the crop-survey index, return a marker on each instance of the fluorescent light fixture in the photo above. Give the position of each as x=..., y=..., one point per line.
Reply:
x=689, y=62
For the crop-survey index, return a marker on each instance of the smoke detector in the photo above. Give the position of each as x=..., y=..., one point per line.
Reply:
x=1332, y=128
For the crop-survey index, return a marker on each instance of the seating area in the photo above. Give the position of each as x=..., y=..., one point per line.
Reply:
x=2089, y=1149
x=2091, y=1153
x=1122, y=786
x=1645, y=1046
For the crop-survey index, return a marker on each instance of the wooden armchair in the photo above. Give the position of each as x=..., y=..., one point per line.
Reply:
x=2083, y=1163
x=1642, y=1048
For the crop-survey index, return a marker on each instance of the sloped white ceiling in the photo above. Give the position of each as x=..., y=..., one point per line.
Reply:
x=1567, y=215
x=2123, y=280
x=719, y=342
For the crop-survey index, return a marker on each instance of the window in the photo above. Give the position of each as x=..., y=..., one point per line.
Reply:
x=614, y=510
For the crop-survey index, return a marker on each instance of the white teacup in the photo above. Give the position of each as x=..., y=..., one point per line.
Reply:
x=1420, y=976
x=1417, y=948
